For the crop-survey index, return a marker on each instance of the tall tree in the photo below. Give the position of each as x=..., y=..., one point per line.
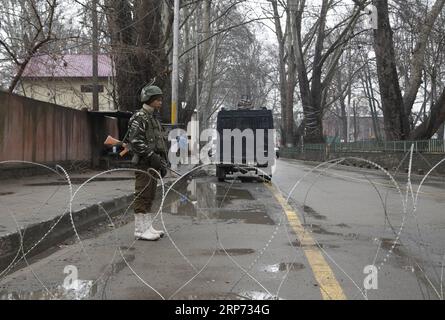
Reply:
x=138, y=40
x=397, y=105
x=315, y=49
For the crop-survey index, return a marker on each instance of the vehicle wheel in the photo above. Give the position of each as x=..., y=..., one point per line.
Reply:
x=221, y=174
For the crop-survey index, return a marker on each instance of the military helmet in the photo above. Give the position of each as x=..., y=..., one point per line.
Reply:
x=150, y=91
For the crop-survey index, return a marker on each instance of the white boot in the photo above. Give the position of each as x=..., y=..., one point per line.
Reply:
x=148, y=234
x=153, y=230
x=141, y=228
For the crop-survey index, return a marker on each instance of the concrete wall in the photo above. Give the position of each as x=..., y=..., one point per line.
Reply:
x=37, y=131
x=422, y=162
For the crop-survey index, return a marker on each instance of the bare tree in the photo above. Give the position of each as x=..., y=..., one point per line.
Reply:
x=313, y=52
x=397, y=105
x=28, y=27
x=138, y=37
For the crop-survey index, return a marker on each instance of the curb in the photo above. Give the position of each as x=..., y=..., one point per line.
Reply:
x=62, y=231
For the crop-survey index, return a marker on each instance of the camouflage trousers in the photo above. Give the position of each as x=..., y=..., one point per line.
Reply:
x=145, y=191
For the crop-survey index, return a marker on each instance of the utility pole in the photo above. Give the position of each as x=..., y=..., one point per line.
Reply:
x=95, y=57
x=197, y=61
x=175, y=73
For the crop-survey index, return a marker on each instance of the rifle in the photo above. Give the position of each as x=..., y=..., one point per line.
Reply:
x=112, y=142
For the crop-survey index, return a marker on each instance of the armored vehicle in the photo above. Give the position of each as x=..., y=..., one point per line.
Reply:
x=241, y=150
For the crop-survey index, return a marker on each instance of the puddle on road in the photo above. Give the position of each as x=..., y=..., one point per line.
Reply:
x=314, y=214
x=411, y=269
x=231, y=252
x=121, y=265
x=389, y=244
x=356, y=236
x=247, y=295
x=405, y=259
x=256, y=295
x=78, y=181
x=211, y=296
x=247, y=216
x=297, y=244
x=315, y=228
x=229, y=195
x=393, y=246
x=81, y=290
x=204, y=200
x=100, y=179
x=283, y=267
x=6, y=193
x=124, y=249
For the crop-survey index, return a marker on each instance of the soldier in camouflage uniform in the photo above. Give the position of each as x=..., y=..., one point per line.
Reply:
x=147, y=141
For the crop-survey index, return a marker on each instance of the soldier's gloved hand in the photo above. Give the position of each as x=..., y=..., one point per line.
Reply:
x=155, y=162
x=166, y=163
x=163, y=172
x=165, y=160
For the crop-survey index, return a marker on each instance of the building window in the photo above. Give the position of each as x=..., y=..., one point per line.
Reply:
x=89, y=88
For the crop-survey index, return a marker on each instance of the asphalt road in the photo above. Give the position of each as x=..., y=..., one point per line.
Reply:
x=243, y=240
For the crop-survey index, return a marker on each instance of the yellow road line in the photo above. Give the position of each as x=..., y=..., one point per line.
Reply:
x=329, y=286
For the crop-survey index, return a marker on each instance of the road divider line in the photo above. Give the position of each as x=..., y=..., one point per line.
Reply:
x=329, y=287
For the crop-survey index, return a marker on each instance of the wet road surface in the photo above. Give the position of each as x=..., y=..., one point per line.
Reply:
x=236, y=240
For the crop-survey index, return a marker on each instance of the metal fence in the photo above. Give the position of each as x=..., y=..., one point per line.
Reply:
x=426, y=146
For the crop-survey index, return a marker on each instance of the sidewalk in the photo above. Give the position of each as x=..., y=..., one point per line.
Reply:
x=39, y=207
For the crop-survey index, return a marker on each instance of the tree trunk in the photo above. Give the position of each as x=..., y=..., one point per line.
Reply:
x=432, y=124
x=418, y=59
x=356, y=127
x=397, y=109
x=138, y=48
x=282, y=74
x=396, y=120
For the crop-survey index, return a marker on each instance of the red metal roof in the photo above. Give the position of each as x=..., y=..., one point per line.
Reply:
x=67, y=66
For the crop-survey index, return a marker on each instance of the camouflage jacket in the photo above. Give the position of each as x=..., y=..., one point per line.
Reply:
x=146, y=135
